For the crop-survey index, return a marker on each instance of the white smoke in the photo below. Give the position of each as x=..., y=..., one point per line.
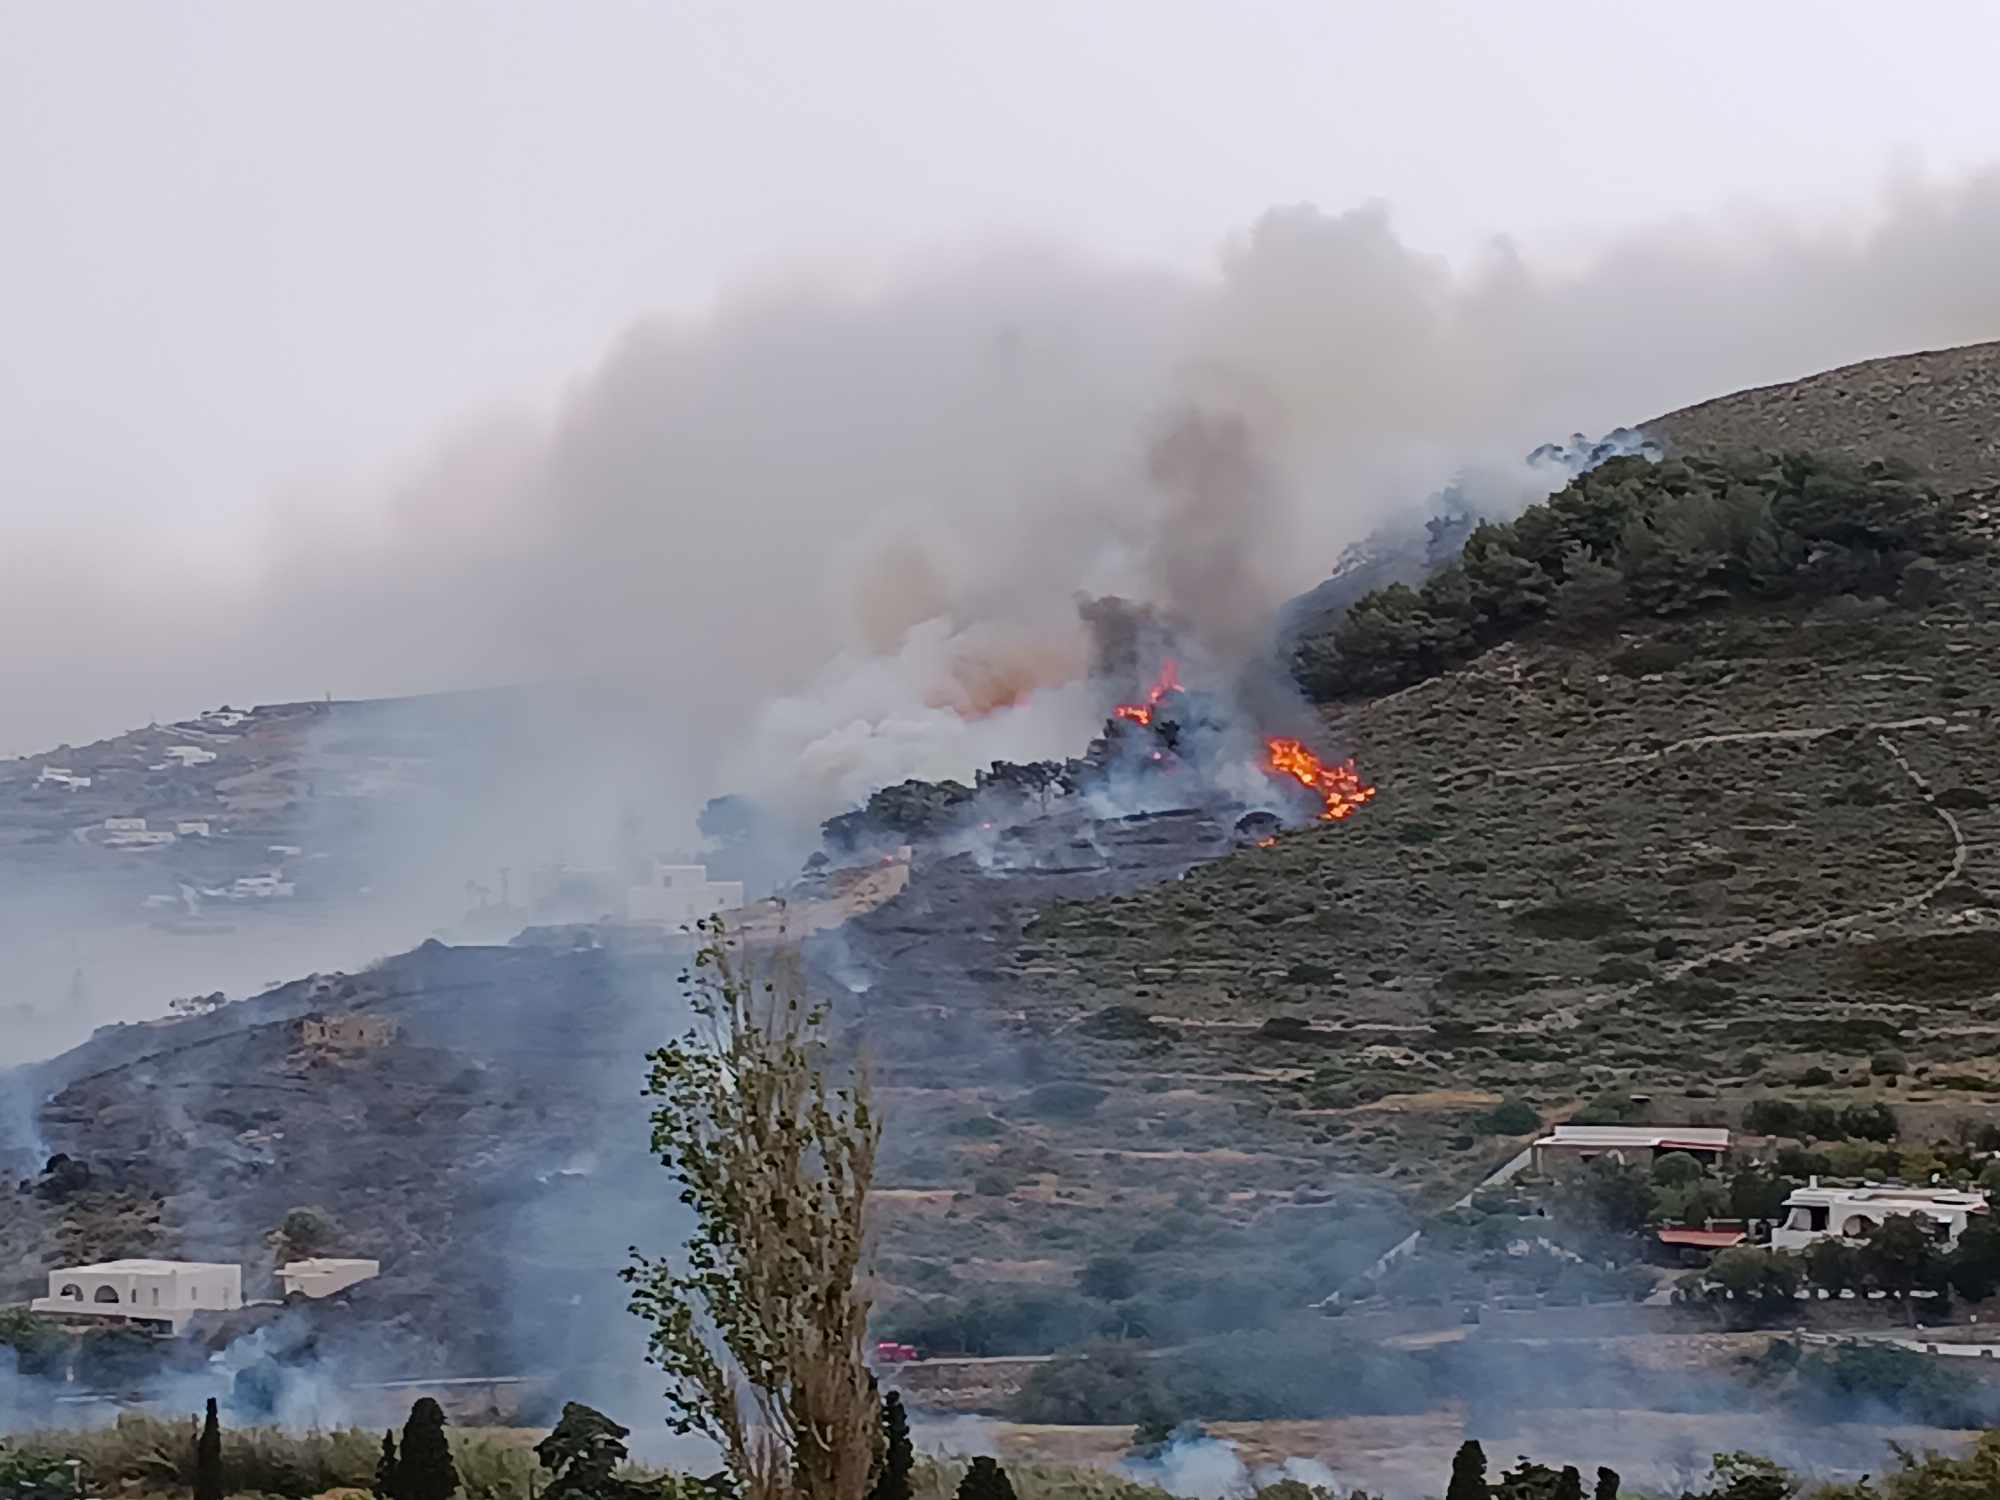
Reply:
x=1196, y=1466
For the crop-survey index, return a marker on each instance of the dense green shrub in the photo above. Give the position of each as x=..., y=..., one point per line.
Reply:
x=1509, y=1117
x=1244, y=1377
x=1820, y=1122
x=1634, y=539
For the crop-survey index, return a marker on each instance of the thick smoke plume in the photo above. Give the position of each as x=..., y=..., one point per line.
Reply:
x=826, y=539
x=831, y=528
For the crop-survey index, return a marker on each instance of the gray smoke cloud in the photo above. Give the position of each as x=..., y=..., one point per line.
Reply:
x=837, y=533
x=826, y=538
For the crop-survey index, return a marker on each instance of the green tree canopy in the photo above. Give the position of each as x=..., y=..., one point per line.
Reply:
x=208, y=1482
x=425, y=1470
x=985, y=1480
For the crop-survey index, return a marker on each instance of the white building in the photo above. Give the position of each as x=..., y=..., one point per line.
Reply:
x=1814, y=1212
x=190, y=755
x=681, y=895
x=259, y=888
x=158, y=1294
x=322, y=1277
x=132, y=833
x=192, y=828
x=1629, y=1144
x=62, y=776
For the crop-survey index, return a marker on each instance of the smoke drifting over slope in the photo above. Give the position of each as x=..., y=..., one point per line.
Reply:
x=838, y=534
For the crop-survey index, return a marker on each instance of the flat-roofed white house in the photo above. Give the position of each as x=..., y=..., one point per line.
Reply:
x=681, y=895
x=1628, y=1144
x=322, y=1276
x=158, y=1294
x=1816, y=1212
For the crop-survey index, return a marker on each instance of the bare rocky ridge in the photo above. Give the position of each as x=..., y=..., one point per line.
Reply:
x=1935, y=410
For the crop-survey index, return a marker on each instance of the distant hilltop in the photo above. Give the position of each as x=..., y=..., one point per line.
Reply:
x=1935, y=410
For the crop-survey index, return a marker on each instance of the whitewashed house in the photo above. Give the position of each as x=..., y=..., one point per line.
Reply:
x=322, y=1276
x=259, y=888
x=162, y=1295
x=1816, y=1212
x=1628, y=1145
x=681, y=895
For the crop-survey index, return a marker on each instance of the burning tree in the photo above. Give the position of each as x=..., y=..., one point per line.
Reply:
x=762, y=1334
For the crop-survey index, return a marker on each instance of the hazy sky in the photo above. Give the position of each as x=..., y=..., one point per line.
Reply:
x=256, y=257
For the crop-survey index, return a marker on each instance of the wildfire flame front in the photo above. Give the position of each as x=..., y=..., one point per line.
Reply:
x=1142, y=713
x=1340, y=787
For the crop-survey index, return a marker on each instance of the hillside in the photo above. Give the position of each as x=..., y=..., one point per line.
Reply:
x=1733, y=853
x=1933, y=410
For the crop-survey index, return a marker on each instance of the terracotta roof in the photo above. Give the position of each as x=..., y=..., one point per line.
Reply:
x=1702, y=1239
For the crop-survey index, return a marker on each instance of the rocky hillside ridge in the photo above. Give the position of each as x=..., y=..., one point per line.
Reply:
x=1933, y=410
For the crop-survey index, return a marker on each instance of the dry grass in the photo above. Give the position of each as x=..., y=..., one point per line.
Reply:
x=141, y=1456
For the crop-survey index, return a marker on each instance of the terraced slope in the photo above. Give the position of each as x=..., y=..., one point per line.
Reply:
x=1693, y=861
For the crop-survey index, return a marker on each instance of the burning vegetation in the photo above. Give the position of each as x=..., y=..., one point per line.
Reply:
x=1340, y=788
x=1169, y=681
x=1171, y=747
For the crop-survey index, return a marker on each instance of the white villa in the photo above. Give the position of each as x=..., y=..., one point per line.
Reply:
x=681, y=895
x=1640, y=1145
x=1814, y=1212
x=322, y=1276
x=158, y=1294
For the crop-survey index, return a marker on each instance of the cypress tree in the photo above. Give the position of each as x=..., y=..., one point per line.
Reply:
x=1468, y=1473
x=208, y=1457
x=985, y=1480
x=899, y=1456
x=426, y=1470
x=1569, y=1484
x=1607, y=1484
x=384, y=1487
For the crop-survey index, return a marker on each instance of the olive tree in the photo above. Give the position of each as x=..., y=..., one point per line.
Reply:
x=760, y=1321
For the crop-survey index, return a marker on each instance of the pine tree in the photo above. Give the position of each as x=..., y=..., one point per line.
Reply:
x=1468, y=1473
x=426, y=1471
x=1569, y=1485
x=384, y=1487
x=1607, y=1485
x=985, y=1480
x=208, y=1457
x=899, y=1455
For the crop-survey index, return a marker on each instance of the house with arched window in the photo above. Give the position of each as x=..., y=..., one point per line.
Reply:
x=162, y=1295
x=1816, y=1212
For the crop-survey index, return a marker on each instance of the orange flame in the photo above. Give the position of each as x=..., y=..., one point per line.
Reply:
x=1340, y=787
x=1142, y=713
